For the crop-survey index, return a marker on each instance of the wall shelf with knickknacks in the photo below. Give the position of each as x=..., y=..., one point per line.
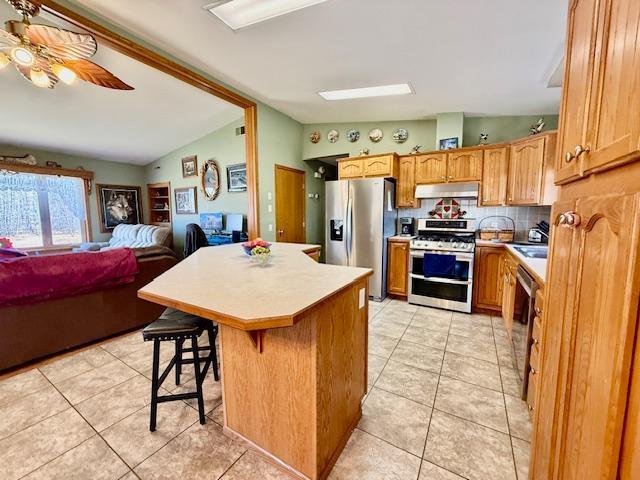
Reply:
x=159, y=197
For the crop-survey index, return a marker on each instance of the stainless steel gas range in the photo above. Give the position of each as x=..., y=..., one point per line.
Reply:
x=441, y=264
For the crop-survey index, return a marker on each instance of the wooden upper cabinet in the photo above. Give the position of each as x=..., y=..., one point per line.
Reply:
x=494, y=176
x=351, y=168
x=382, y=166
x=578, y=72
x=406, y=185
x=531, y=176
x=599, y=124
x=525, y=174
x=464, y=166
x=613, y=134
x=431, y=168
x=489, y=276
x=398, y=274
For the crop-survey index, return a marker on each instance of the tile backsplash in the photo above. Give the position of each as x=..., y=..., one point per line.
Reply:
x=523, y=217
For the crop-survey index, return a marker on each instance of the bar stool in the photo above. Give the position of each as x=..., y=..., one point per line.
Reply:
x=174, y=325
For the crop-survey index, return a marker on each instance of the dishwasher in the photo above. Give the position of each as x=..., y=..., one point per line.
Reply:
x=522, y=334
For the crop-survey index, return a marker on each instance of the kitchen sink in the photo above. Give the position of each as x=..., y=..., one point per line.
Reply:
x=532, y=252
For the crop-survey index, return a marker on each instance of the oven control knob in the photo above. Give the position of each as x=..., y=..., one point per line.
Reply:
x=455, y=245
x=439, y=244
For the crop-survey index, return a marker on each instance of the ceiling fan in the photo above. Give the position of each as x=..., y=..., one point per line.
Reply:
x=43, y=55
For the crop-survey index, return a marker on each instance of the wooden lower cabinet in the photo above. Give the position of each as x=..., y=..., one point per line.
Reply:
x=488, y=278
x=398, y=268
x=589, y=328
x=509, y=287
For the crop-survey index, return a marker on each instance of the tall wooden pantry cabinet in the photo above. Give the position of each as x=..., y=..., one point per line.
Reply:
x=587, y=418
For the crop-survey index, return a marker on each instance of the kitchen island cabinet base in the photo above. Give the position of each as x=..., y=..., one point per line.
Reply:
x=298, y=396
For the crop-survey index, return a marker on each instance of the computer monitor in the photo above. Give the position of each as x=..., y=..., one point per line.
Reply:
x=211, y=222
x=234, y=222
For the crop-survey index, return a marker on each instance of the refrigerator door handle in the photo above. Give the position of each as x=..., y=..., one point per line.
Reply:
x=349, y=227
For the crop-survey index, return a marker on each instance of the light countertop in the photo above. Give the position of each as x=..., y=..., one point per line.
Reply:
x=224, y=284
x=536, y=266
x=402, y=238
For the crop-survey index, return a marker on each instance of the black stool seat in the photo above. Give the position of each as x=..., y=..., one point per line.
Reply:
x=174, y=325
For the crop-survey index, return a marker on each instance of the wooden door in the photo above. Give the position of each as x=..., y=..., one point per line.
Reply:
x=398, y=275
x=558, y=299
x=406, y=186
x=494, y=176
x=526, y=168
x=489, y=278
x=290, y=205
x=602, y=328
x=351, y=168
x=378, y=166
x=464, y=166
x=614, y=123
x=578, y=73
x=431, y=168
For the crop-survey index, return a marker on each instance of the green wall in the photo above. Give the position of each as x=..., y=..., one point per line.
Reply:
x=502, y=129
x=226, y=148
x=105, y=172
x=450, y=125
x=421, y=132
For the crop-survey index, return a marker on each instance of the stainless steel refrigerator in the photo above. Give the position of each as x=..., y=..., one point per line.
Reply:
x=360, y=217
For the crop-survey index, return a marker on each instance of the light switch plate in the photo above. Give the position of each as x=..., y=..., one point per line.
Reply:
x=361, y=299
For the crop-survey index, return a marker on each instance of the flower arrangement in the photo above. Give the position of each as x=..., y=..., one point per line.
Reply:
x=5, y=242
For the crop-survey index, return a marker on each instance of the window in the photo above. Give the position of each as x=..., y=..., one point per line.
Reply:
x=42, y=211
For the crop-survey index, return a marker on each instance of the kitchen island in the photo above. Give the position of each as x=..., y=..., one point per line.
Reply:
x=293, y=339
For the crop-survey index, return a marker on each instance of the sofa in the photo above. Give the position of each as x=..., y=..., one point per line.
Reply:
x=133, y=236
x=39, y=329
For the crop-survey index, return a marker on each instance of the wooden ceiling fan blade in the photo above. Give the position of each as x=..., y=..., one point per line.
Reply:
x=91, y=72
x=63, y=44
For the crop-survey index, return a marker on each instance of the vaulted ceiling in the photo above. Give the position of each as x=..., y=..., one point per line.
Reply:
x=483, y=57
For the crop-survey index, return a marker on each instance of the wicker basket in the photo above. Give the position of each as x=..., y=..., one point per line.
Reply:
x=495, y=234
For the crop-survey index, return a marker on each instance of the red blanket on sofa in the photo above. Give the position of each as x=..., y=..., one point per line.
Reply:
x=36, y=278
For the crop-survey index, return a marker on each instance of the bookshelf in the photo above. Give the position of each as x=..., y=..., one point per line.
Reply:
x=159, y=196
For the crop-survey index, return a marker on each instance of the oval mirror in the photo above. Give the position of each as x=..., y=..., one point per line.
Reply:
x=210, y=179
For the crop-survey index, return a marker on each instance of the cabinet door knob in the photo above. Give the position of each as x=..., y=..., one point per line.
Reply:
x=580, y=150
x=568, y=157
x=535, y=341
x=444, y=178
x=572, y=219
x=450, y=177
x=530, y=408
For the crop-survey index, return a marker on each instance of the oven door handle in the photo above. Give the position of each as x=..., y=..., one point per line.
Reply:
x=458, y=255
x=442, y=280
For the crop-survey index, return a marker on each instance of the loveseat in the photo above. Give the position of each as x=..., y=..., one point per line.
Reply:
x=42, y=328
x=133, y=236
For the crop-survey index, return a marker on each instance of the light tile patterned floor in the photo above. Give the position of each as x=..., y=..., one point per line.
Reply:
x=443, y=404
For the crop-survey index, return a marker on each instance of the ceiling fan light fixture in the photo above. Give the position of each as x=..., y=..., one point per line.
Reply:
x=4, y=60
x=39, y=78
x=63, y=73
x=23, y=56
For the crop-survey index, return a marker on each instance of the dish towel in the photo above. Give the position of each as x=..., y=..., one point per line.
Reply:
x=434, y=265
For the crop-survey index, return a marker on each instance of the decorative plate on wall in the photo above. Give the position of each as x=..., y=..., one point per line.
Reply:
x=333, y=136
x=315, y=137
x=400, y=135
x=210, y=179
x=375, y=135
x=353, y=135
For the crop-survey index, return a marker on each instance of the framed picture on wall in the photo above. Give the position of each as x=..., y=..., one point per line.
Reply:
x=448, y=143
x=190, y=166
x=118, y=204
x=186, y=201
x=237, y=177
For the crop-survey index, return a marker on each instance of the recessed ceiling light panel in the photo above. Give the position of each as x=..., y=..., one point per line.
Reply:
x=239, y=14
x=368, y=92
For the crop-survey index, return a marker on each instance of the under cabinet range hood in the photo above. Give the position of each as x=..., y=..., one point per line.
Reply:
x=447, y=190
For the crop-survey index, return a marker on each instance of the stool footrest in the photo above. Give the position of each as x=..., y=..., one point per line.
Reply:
x=177, y=396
